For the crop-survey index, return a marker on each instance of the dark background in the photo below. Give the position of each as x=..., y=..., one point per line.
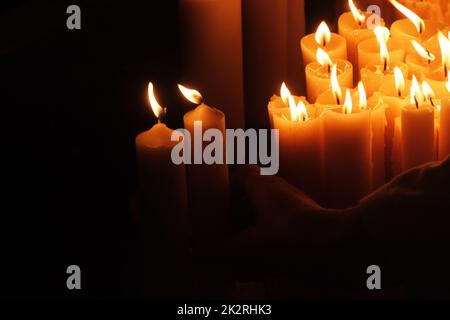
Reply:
x=71, y=104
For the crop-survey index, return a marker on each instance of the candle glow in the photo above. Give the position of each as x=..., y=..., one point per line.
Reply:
x=156, y=107
x=382, y=34
x=335, y=87
x=298, y=112
x=444, y=44
x=362, y=96
x=399, y=81
x=323, y=58
x=359, y=18
x=428, y=93
x=323, y=34
x=416, y=93
x=412, y=16
x=423, y=52
x=285, y=94
x=348, y=104
x=191, y=95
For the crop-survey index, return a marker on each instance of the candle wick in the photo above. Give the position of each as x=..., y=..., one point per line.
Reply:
x=337, y=99
x=445, y=70
x=399, y=92
x=385, y=65
x=417, y=102
x=329, y=69
x=431, y=100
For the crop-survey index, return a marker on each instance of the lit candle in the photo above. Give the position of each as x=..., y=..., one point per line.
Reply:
x=421, y=63
x=319, y=74
x=371, y=51
x=412, y=28
x=347, y=154
x=352, y=26
x=208, y=185
x=444, y=128
x=162, y=184
x=418, y=132
x=380, y=70
x=334, y=44
x=282, y=102
x=211, y=34
x=439, y=78
x=300, y=147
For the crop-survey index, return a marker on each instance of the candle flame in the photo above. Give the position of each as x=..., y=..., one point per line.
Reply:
x=156, y=107
x=444, y=44
x=298, y=112
x=362, y=96
x=348, y=104
x=399, y=81
x=448, y=83
x=285, y=93
x=412, y=16
x=359, y=18
x=428, y=93
x=323, y=34
x=323, y=58
x=424, y=53
x=335, y=87
x=416, y=93
x=191, y=95
x=382, y=34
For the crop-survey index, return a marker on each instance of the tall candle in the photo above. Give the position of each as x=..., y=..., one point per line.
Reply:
x=347, y=154
x=444, y=129
x=300, y=147
x=271, y=29
x=208, y=184
x=211, y=33
x=333, y=44
x=162, y=187
x=418, y=131
x=353, y=27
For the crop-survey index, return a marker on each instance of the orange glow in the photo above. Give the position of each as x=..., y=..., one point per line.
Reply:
x=382, y=34
x=156, y=108
x=399, y=81
x=285, y=93
x=359, y=18
x=335, y=87
x=298, y=112
x=323, y=58
x=348, y=104
x=448, y=83
x=362, y=96
x=323, y=34
x=428, y=93
x=191, y=95
x=416, y=93
x=424, y=53
x=412, y=16
x=444, y=44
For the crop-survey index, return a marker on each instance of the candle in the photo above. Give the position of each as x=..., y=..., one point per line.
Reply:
x=353, y=27
x=422, y=63
x=300, y=147
x=281, y=102
x=271, y=32
x=380, y=71
x=319, y=74
x=418, y=132
x=397, y=151
x=162, y=185
x=332, y=43
x=347, y=154
x=208, y=185
x=211, y=33
x=412, y=28
x=444, y=128
x=426, y=9
x=439, y=77
x=380, y=49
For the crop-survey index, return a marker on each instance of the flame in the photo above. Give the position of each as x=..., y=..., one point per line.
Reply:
x=323, y=58
x=415, y=92
x=192, y=95
x=444, y=44
x=399, y=81
x=298, y=112
x=323, y=34
x=156, y=107
x=335, y=87
x=285, y=93
x=428, y=93
x=362, y=96
x=359, y=18
x=448, y=83
x=424, y=53
x=413, y=17
x=382, y=34
x=348, y=105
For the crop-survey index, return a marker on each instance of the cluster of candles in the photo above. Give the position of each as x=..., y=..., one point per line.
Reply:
x=377, y=103
x=338, y=144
